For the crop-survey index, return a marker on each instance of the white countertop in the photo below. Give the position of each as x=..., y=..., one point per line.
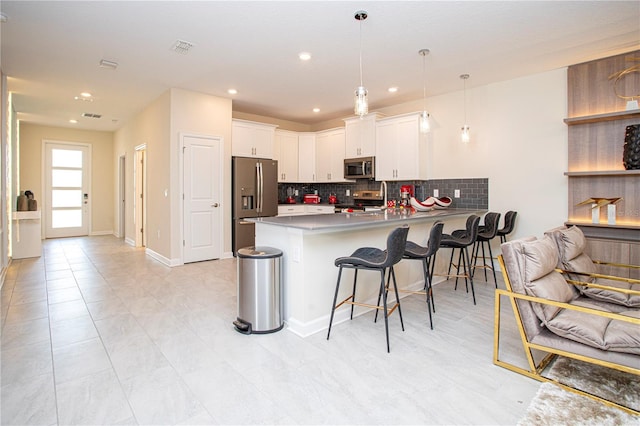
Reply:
x=340, y=221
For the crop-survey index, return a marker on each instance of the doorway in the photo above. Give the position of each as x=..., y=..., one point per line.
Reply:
x=121, y=196
x=67, y=177
x=140, y=199
x=202, y=189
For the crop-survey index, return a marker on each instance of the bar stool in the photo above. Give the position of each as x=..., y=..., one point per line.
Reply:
x=427, y=255
x=486, y=233
x=461, y=239
x=374, y=259
x=509, y=224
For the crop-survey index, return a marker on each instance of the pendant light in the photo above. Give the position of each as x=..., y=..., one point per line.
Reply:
x=465, y=137
x=361, y=107
x=425, y=127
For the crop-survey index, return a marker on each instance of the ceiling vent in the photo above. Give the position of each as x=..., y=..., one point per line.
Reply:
x=108, y=64
x=91, y=115
x=182, y=47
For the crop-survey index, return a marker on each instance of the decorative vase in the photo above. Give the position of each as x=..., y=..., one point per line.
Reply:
x=631, y=152
x=23, y=202
x=33, y=205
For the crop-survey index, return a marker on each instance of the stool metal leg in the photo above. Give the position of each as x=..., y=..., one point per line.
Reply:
x=493, y=269
x=386, y=288
x=353, y=294
x=335, y=300
x=384, y=305
x=473, y=293
x=395, y=286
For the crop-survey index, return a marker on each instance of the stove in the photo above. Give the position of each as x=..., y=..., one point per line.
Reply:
x=362, y=201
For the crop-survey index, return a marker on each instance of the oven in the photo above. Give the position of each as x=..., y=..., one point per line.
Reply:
x=362, y=201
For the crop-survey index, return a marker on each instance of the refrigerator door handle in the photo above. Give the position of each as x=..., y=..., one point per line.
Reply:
x=259, y=177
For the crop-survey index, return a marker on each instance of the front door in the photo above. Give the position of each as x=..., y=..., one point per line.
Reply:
x=202, y=168
x=67, y=197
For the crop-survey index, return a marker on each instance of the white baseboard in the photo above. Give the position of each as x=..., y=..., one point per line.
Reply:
x=160, y=258
x=98, y=233
x=130, y=242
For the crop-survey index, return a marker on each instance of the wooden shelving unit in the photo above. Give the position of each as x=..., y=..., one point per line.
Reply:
x=604, y=173
x=595, y=146
x=597, y=118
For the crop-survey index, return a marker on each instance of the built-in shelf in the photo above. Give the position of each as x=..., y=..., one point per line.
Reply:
x=604, y=225
x=628, y=233
x=605, y=173
x=26, y=215
x=609, y=116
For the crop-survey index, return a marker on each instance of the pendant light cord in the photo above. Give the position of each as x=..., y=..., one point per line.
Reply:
x=424, y=80
x=360, y=52
x=465, y=101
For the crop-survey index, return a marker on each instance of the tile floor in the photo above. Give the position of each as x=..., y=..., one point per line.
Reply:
x=95, y=332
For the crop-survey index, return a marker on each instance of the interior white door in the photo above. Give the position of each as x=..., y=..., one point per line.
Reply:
x=202, y=170
x=67, y=182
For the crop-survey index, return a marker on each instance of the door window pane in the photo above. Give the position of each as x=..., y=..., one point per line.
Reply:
x=66, y=178
x=66, y=158
x=66, y=218
x=66, y=198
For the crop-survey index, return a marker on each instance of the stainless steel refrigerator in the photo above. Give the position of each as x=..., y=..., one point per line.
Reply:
x=255, y=194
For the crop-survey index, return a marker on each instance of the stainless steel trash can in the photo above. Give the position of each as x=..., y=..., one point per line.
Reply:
x=259, y=283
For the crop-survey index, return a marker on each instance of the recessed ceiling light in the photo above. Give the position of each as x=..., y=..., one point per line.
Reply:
x=232, y=91
x=304, y=56
x=316, y=110
x=85, y=94
x=392, y=89
x=72, y=121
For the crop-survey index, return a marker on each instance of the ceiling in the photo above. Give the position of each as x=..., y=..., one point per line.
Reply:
x=51, y=51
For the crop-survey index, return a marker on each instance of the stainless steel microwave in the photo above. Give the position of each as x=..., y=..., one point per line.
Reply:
x=360, y=168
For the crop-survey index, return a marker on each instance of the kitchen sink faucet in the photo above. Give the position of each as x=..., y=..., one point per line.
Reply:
x=383, y=187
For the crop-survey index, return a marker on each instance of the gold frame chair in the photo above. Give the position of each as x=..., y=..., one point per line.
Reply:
x=536, y=369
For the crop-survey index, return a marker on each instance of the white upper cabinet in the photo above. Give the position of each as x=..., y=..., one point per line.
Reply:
x=251, y=139
x=400, y=149
x=306, y=157
x=330, y=156
x=360, y=136
x=285, y=150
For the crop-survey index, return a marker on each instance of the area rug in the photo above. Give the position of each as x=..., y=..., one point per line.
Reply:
x=553, y=405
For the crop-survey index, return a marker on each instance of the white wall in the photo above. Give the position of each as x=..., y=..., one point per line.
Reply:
x=518, y=141
x=198, y=113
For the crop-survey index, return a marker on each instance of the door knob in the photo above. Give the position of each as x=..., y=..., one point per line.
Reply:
x=214, y=205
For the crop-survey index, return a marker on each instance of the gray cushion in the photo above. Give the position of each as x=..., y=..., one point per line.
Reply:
x=541, y=279
x=598, y=332
x=571, y=243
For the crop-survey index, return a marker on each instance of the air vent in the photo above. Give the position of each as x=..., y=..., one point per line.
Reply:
x=182, y=47
x=91, y=115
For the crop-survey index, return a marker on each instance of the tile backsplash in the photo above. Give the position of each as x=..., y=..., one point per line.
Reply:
x=474, y=193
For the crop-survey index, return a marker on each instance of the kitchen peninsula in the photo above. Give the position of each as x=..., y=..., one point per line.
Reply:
x=311, y=243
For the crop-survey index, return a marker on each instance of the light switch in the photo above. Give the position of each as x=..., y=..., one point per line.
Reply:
x=456, y=193
x=436, y=193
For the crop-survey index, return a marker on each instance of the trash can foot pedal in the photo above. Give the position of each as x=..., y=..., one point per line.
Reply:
x=242, y=326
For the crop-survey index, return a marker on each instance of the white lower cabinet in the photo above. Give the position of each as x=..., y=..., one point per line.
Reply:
x=300, y=209
x=319, y=209
x=291, y=209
